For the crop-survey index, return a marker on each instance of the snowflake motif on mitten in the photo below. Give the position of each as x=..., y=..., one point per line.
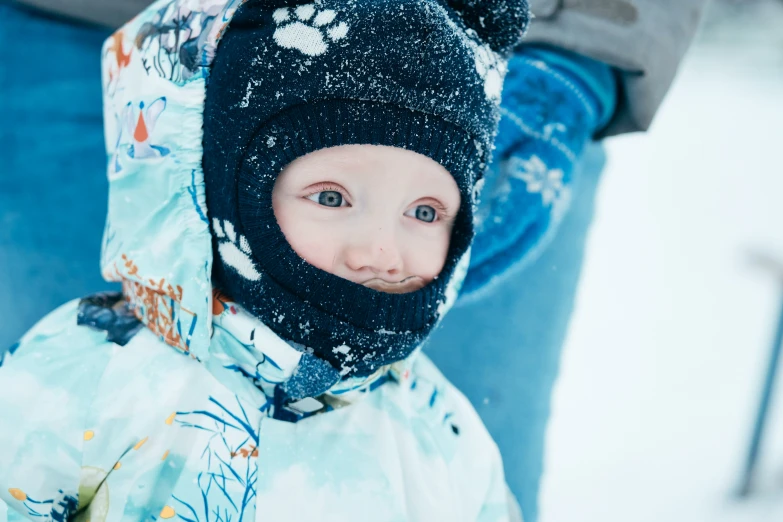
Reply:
x=538, y=178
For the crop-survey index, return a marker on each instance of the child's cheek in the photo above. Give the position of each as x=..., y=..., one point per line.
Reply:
x=425, y=251
x=316, y=241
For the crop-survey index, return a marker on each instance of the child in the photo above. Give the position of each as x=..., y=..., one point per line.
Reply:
x=341, y=145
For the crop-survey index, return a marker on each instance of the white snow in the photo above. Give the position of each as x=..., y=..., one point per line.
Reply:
x=665, y=357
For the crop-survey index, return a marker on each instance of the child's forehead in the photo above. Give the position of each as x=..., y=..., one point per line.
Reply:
x=362, y=154
x=388, y=165
x=344, y=154
x=388, y=169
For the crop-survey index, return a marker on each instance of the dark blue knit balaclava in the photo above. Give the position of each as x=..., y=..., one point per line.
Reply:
x=287, y=80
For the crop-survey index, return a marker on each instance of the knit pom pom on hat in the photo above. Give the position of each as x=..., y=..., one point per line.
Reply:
x=500, y=23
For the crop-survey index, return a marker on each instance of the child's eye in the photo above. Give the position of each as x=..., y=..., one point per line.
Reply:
x=423, y=213
x=328, y=198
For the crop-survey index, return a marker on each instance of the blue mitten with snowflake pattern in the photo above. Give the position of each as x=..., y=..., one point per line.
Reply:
x=553, y=103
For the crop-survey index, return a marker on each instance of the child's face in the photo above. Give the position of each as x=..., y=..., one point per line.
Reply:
x=378, y=216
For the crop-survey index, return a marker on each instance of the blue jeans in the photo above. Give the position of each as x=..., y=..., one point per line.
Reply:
x=53, y=184
x=503, y=351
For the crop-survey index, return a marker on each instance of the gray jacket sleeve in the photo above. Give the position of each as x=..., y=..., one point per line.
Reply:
x=109, y=13
x=643, y=39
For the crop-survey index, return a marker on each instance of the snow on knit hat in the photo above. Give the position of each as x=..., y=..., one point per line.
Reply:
x=287, y=80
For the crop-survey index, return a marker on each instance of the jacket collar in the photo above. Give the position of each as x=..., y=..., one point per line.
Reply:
x=294, y=384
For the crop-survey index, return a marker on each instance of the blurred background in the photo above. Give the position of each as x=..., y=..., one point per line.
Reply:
x=667, y=351
x=669, y=344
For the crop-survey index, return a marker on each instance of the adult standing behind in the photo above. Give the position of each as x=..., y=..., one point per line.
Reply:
x=605, y=66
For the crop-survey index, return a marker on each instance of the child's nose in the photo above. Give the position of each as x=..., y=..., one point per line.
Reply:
x=377, y=252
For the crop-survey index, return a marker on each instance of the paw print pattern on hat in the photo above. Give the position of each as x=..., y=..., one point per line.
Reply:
x=308, y=30
x=492, y=69
x=235, y=250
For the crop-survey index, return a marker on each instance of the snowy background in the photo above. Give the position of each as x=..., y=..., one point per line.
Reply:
x=669, y=343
